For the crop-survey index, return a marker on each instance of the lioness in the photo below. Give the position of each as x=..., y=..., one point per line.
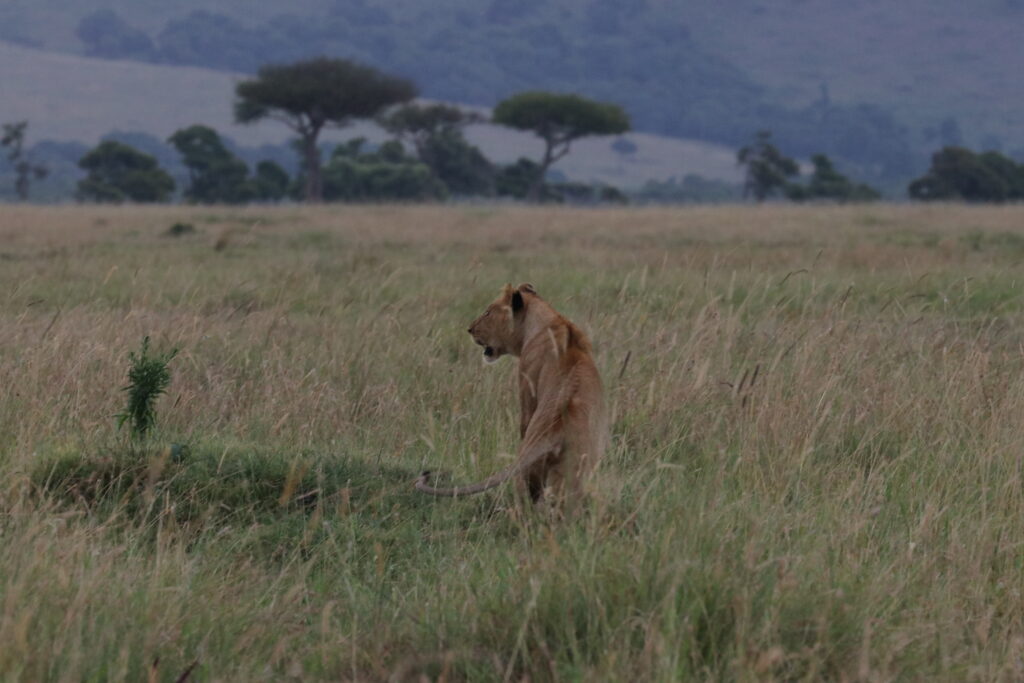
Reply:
x=563, y=425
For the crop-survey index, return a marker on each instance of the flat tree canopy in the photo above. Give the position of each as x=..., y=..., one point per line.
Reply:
x=563, y=116
x=307, y=96
x=558, y=119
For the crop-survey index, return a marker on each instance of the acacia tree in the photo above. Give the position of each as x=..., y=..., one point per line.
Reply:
x=25, y=170
x=767, y=167
x=558, y=119
x=310, y=95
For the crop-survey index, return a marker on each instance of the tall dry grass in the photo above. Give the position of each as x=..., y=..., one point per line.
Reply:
x=815, y=471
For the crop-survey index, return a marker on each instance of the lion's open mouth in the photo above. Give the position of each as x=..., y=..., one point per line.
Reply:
x=490, y=353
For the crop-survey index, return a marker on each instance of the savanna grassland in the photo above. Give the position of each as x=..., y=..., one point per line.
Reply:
x=815, y=470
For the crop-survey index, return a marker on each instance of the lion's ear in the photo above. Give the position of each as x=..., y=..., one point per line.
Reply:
x=508, y=290
x=517, y=301
x=517, y=296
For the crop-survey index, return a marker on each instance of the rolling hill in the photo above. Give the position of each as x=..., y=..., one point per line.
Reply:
x=924, y=60
x=877, y=86
x=69, y=97
x=694, y=68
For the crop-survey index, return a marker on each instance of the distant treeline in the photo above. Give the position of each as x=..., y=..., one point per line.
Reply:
x=429, y=157
x=61, y=159
x=220, y=171
x=207, y=169
x=637, y=54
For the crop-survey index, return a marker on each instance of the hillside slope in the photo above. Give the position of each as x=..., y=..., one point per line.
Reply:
x=67, y=97
x=698, y=68
x=926, y=60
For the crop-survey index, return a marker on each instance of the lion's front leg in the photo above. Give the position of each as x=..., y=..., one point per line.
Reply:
x=527, y=403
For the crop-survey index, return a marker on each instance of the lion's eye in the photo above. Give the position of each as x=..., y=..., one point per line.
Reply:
x=486, y=313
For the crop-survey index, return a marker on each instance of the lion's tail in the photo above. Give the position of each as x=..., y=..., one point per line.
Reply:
x=536, y=452
x=422, y=484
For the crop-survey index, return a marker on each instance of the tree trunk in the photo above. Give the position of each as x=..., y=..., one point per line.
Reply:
x=554, y=149
x=314, y=174
x=533, y=193
x=22, y=181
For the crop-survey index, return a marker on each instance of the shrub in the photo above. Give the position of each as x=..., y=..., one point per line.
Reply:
x=148, y=378
x=118, y=172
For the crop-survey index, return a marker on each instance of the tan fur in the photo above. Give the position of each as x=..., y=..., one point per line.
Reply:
x=562, y=423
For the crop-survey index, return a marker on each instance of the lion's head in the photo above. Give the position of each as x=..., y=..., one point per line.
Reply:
x=496, y=329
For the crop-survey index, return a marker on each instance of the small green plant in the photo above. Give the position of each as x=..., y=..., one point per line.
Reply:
x=148, y=377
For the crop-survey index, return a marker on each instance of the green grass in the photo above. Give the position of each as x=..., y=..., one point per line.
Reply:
x=853, y=512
